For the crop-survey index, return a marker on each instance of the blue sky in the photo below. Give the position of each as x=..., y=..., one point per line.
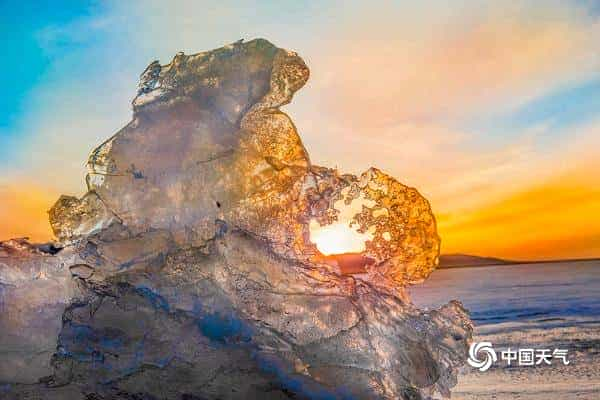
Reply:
x=26, y=61
x=560, y=110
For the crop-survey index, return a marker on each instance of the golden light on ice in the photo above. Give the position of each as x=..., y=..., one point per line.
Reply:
x=339, y=237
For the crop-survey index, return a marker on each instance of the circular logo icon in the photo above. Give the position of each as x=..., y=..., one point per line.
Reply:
x=487, y=353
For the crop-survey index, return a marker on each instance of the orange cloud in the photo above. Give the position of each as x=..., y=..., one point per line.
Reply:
x=556, y=219
x=24, y=211
x=426, y=67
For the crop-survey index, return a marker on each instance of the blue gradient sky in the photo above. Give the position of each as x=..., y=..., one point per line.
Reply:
x=19, y=32
x=477, y=104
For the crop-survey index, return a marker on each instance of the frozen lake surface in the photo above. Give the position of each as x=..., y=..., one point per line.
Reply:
x=548, y=293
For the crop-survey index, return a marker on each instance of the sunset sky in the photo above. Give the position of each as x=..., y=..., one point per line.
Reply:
x=491, y=109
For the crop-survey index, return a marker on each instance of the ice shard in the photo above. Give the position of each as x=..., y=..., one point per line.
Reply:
x=188, y=270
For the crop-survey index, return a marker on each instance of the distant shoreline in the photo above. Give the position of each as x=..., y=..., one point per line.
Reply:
x=449, y=261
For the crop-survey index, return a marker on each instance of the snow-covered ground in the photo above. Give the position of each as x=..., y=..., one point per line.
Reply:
x=538, y=306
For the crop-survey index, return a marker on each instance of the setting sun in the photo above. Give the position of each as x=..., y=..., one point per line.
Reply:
x=340, y=237
x=337, y=238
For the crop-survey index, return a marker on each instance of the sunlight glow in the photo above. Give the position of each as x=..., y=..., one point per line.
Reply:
x=339, y=237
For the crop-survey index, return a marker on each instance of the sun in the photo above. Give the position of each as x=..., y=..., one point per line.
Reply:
x=337, y=238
